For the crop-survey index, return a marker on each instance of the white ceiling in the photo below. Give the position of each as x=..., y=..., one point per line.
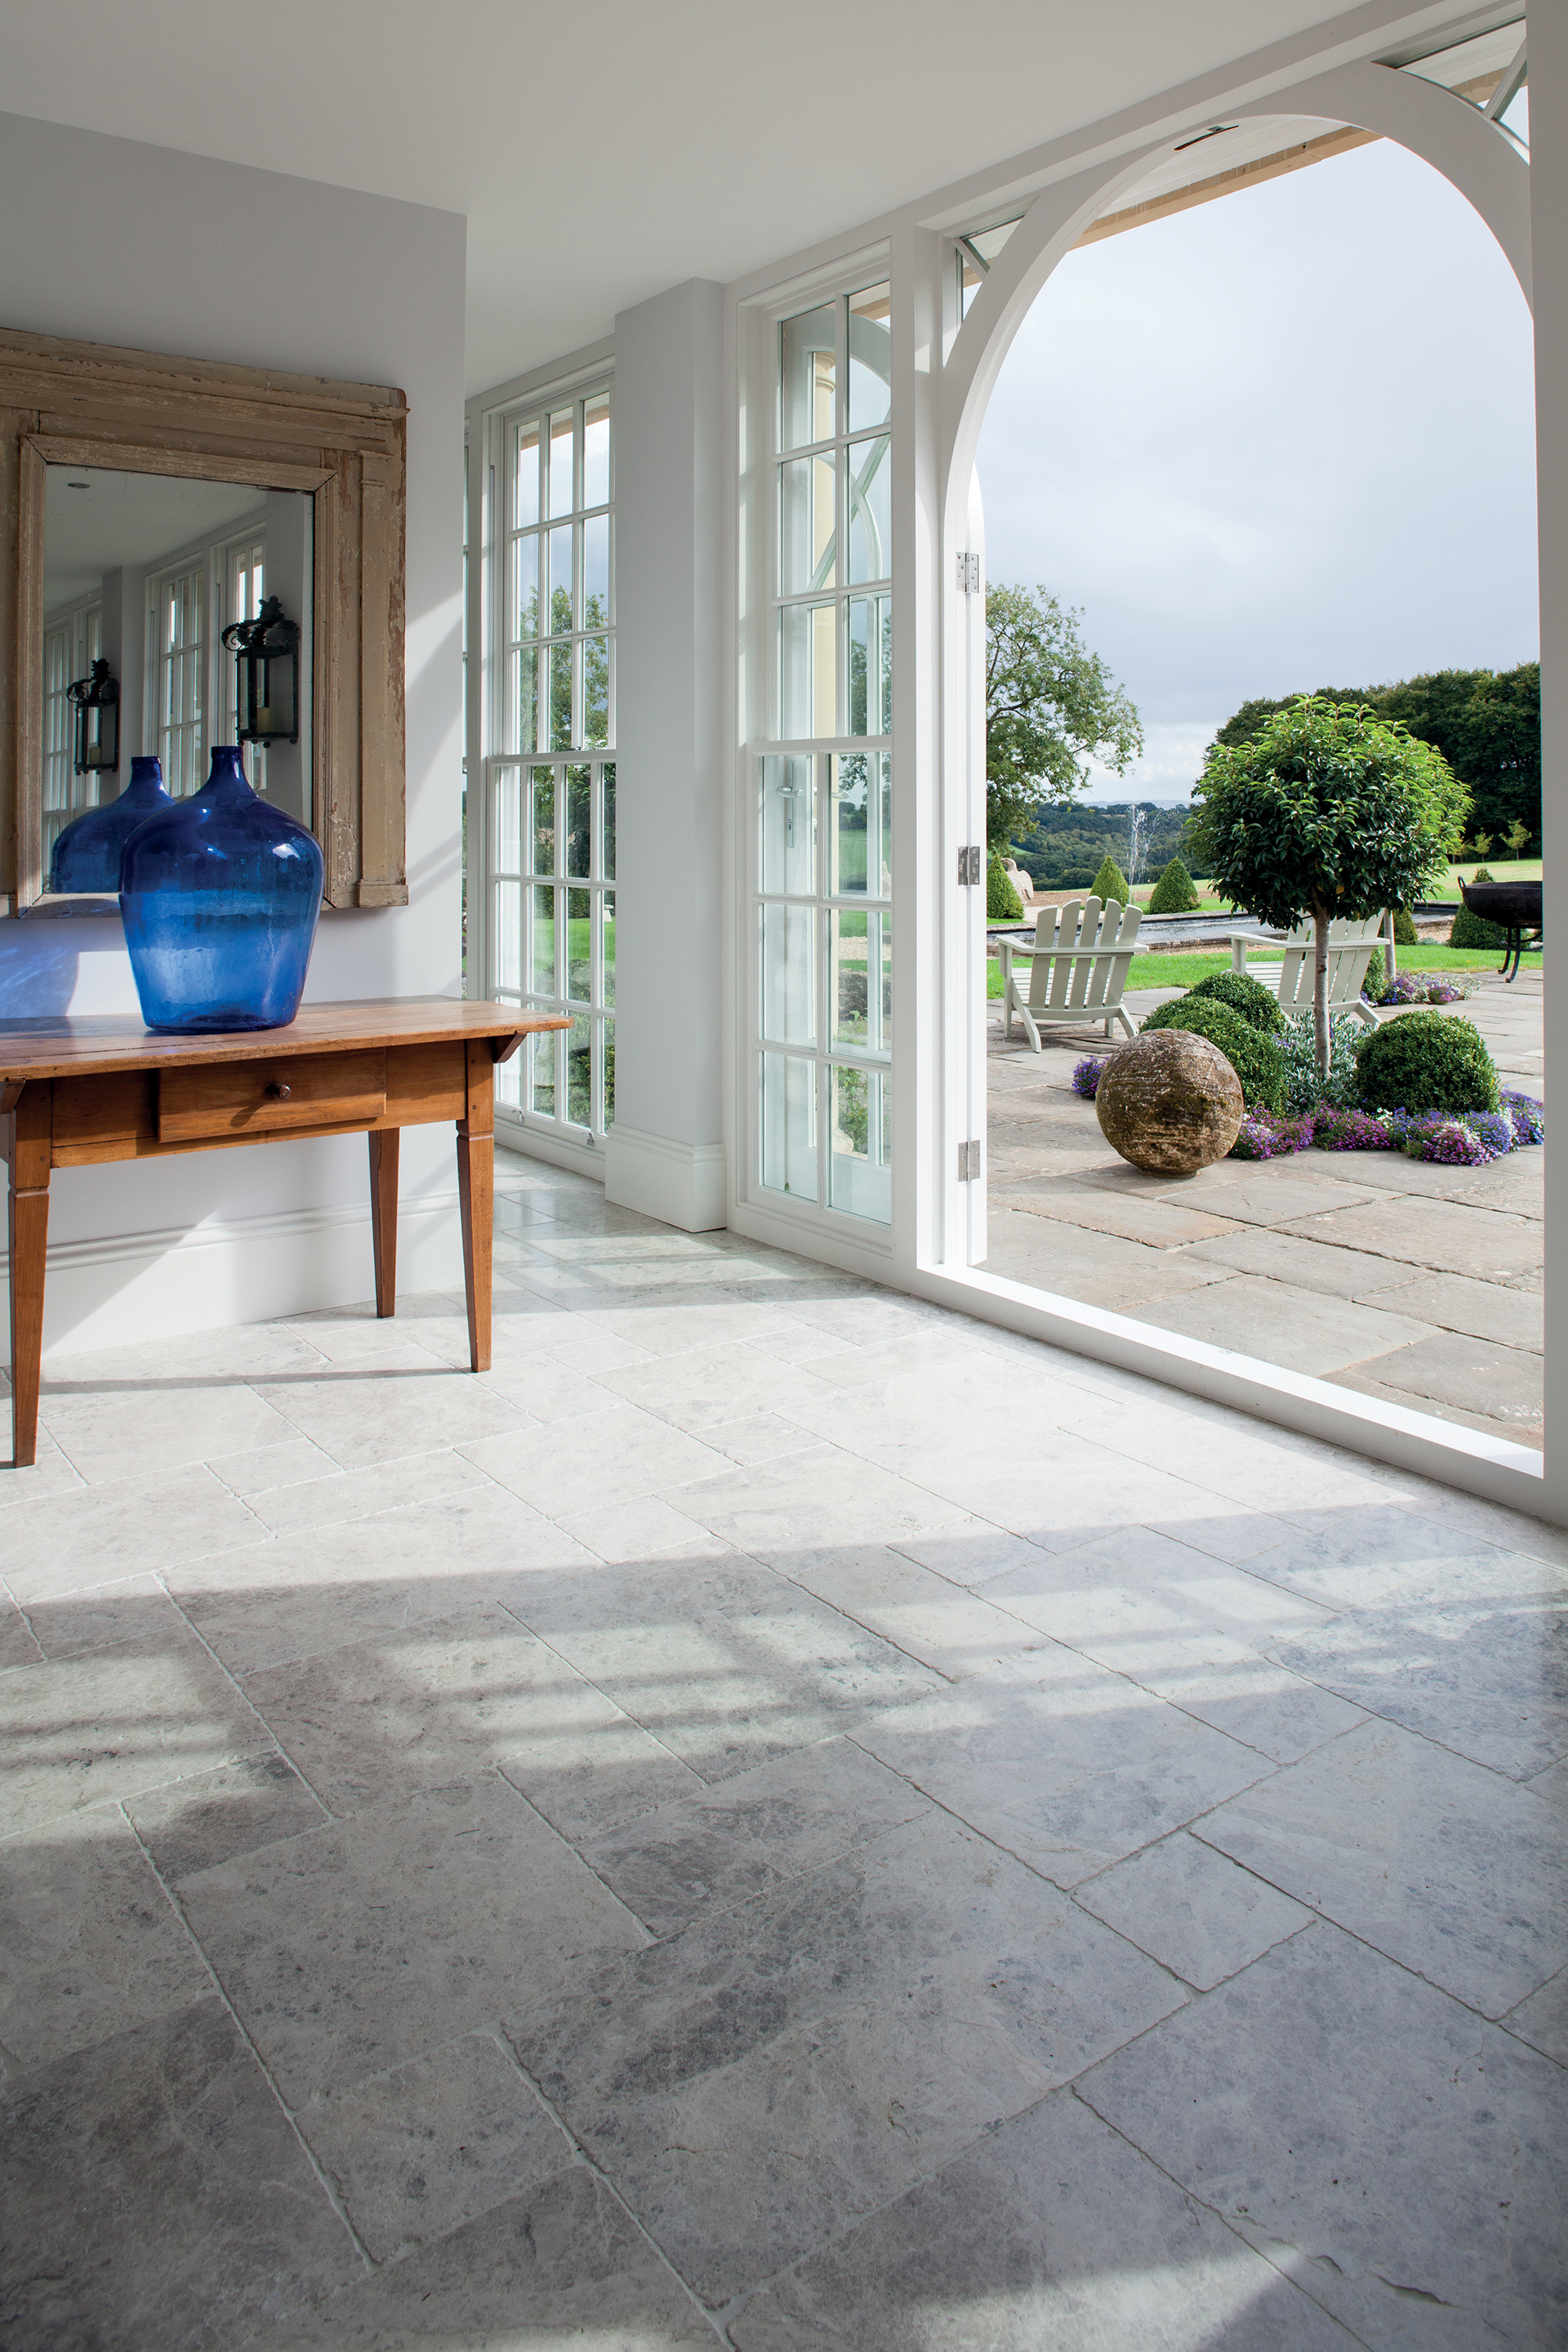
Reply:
x=601, y=155
x=127, y=518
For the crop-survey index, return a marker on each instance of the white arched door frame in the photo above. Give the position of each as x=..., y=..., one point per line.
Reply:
x=1491, y=171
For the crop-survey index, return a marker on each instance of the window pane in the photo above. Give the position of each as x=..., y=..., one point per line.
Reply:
x=543, y=1072
x=595, y=690
x=851, y=820
x=861, y=977
x=543, y=826
x=506, y=958
x=788, y=934
x=608, y=922
x=544, y=942
x=526, y=490
x=526, y=586
x=507, y=821
x=580, y=1070
x=579, y=819
x=788, y=827
x=870, y=357
x=579, y=947
x=521, y=700
x=597, y=572
x=806, y=377
x=607, y=852
x=509, y=1080
x=597, y=449
x=789, y=1125
x=561, y=461
x=807, y=536
x=561, y=695
x=870, y=509
x=808, y=680
x=871, y=683
x=609, y=1028
x=860, y=1177
x=561, y=581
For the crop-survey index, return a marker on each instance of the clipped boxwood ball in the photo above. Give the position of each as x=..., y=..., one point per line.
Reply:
x=1170, y=1102
x=1426, y=1061
x=1258, y=1006
x=1256, y=1059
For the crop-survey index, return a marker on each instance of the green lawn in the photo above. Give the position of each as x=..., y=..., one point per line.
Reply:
x=1186, y=970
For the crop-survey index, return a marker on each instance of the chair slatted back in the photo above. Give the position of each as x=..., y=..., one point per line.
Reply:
x=1062, y=983
x=1350, y=952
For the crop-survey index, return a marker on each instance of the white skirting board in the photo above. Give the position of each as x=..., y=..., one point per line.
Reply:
x=111, y=1293
x=683, y=1184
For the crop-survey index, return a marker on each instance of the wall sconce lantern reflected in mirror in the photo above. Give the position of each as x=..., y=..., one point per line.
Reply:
x=97, y=700
x=267, y=675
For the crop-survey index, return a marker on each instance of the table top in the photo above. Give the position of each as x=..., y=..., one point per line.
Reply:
x=58, y=1045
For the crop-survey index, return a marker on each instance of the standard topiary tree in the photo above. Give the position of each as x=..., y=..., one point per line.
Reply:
x=1426, y=1061
x=1325, y=812
x=1173, y=893
x=1003, y=904
x=1258, y=1006
x=1256, y=1059
x=1110, y=882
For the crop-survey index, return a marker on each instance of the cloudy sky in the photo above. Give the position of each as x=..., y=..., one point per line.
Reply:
x=1281, y=441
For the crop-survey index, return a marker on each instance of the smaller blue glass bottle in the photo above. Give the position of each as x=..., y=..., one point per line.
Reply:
x=87, y=855
x=220, y=895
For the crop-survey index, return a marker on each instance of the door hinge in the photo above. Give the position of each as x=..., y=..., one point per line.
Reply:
x=968, y=1162
x=971, y=868
x=968, y=575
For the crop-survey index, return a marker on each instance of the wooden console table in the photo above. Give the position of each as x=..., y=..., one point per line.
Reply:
x=76, y=1092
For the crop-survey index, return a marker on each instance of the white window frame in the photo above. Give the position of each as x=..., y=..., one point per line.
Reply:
x=76, y=630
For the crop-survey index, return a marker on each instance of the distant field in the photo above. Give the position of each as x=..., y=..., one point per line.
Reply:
x=1186, y=970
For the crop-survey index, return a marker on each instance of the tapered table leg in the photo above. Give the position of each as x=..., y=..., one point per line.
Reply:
x=476, y=1190
x=28, y=1227
x=384, y=1145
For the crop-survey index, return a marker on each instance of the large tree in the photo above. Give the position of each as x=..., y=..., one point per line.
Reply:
x=1052, y=709
x=1486, y=723
x=1326, y=811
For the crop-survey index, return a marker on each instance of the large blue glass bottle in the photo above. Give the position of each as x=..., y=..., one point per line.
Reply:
x=87, y=852
x=220, y=895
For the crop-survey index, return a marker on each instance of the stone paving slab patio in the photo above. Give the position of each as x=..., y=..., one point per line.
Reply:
x=1395, y=1277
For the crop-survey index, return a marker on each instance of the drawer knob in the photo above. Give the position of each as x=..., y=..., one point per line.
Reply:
x=278, y=1092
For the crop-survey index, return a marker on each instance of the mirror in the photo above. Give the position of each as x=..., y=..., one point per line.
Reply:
x=142, y=574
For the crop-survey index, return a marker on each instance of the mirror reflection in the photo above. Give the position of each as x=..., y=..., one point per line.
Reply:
x=176, y=616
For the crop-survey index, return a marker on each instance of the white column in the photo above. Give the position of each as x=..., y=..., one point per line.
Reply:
x=1548, y=210
x=664, y=1154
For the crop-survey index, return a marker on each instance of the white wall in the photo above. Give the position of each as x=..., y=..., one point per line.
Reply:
x=118, y=243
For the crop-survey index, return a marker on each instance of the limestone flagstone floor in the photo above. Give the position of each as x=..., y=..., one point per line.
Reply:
x=1399, y=1278
x=779, y=1816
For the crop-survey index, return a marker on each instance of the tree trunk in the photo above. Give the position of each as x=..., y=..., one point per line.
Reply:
x=1321, y=990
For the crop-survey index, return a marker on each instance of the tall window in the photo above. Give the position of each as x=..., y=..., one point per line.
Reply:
x=822, y=873
x=72, y=642
x=244, y=587
x=178, y=636
x=552, y=782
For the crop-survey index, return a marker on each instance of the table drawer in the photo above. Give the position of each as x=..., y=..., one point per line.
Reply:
x=288, y=1096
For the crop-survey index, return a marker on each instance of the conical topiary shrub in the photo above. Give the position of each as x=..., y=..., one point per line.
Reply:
x=1110, y=882
x=1173, y=893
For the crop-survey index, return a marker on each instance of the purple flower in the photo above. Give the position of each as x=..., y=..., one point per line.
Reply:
x=1447, y=1141
x=1526, y=1117
x=1349, y=1130
x=1495, y=1129
x=1264, y=1134
x=1088, y=1075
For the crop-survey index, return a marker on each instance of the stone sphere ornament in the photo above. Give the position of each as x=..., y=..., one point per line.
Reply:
x=1170, y=1103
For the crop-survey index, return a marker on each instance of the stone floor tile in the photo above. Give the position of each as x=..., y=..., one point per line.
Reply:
x=1049, y=2231
x=1452, y=1368
x=1450, y=1236
x=89, y=1944
x=1489, y=1680
x=1542, y=2020
x=617, y=1454
x=562, y=2264
x=1403, y=2162
x=89, y=1730
x=96, y=1535
x=104, y=1615
x=1490, y=1523
x=1458, y=1302
x=212, y=1817
x=18, y=1645
x=822, y=1494
x=754, y=2085
x=115, y=1429
x=1064, y=1490
x=1192, y=1908
x=1451, y=1870
x=921, y=1613
x=710, y=1386
x=424, y=1707
x=724, y=1662
x=596, y=1775
x=1528, y=1434
x=1303, y=1330
x=641, y=1529
x=1285, y=1258
x=338, y=1495
x=698, y=1854
x=1389, y=1556
x=971, y=1552
x=49, y=1474
x=358, y=1947
x=256, y=1469
x=1067, y=1765
x=389, y=1407
x=155, y=2194
x=416, y=2153
x=1096, y=1269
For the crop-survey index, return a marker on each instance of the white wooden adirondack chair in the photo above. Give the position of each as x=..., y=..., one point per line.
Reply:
x=1078, y=967
x=1350, y=952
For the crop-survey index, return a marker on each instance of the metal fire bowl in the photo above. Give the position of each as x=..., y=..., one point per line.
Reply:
x=1516, y=905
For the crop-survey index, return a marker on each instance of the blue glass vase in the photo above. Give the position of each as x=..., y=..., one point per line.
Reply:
x=87, y=855
x=220, y=895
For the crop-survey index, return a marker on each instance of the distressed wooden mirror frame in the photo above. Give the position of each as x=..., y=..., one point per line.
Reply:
x=88, y=404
